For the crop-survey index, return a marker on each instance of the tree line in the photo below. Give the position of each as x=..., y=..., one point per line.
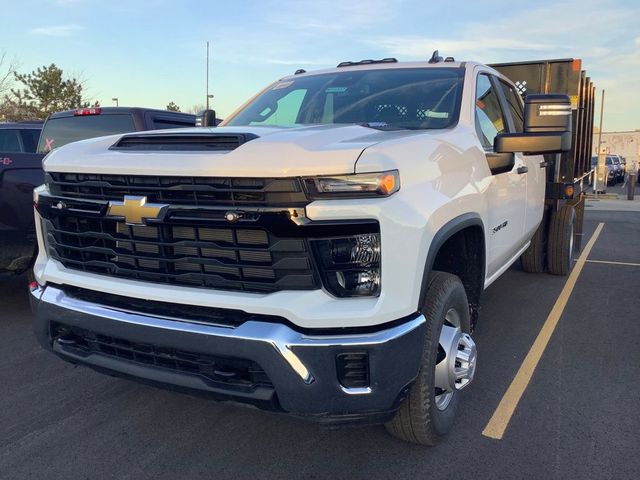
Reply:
x=36, y=95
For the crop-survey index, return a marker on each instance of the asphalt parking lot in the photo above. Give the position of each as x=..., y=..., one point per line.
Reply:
x=578, y=417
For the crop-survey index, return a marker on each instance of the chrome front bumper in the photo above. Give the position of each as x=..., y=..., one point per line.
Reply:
x=301, y=366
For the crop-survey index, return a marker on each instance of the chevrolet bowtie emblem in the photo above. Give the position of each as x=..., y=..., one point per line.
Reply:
x=134, y=209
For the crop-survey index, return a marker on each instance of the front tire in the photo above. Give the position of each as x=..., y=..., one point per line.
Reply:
x=447, y=365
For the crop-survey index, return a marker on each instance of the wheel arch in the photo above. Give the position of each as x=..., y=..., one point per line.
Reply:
x=465, y=231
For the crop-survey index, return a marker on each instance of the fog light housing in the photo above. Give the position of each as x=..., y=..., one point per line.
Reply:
x=353, y=369
x=350, y=266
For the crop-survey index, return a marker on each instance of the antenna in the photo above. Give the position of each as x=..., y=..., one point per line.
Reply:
x=435, y=58
x=207, y=75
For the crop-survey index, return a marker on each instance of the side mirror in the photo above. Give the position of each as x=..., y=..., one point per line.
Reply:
x=206, y=118
x=547, y=127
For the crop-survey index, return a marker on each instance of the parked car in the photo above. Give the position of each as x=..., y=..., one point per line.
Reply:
x=618, y=168
x=623, y=161
x=22, y=148
x=612, y=176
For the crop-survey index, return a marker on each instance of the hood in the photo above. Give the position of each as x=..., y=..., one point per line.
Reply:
x=276, y=152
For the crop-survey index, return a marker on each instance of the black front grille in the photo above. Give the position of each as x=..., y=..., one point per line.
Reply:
x=193, y=191
x=226, y=372
x=246, y=258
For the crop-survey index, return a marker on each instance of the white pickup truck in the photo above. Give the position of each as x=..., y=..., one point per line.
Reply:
x=322, y=252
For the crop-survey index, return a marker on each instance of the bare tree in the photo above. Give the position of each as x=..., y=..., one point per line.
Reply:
x=195, y=109
x=7, y=68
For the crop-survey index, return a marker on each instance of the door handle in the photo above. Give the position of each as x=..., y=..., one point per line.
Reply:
x=522, y=170
x=543, y=164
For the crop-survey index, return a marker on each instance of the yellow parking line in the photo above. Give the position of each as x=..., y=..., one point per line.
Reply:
x=502, y=416
x=614, y=263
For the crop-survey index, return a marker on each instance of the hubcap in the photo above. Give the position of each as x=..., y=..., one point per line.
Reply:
x=457, y=357
x=571, y=246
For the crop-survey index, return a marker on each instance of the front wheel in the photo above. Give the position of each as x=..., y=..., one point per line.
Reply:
x=448, y=365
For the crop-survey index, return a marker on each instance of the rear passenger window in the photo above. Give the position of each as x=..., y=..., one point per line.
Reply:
x=489, y=117
x=515, y=107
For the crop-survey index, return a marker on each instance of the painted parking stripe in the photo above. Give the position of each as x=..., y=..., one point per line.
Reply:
x=502, y=415
x=614, y=263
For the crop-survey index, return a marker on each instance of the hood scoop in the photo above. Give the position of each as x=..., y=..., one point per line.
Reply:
x=189, y=142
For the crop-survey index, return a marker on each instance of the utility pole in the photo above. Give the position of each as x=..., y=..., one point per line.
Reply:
x=600, y=167
x=207, y=75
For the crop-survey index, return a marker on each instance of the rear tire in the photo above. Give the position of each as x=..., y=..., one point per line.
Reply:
x=560, y=244
x=427, y=414
x=533, y=258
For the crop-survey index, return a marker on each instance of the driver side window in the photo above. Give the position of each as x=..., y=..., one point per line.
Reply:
x=285, y=111
x=489, y=118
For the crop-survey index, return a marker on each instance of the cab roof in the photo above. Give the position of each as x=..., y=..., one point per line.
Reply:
x=379, y=65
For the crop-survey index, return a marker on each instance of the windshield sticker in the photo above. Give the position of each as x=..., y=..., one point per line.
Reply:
x=336, y=90
x=48, y=144
x=432, y=114
x=283, y=85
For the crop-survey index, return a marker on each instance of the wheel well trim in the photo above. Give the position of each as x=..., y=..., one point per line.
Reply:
x=445, y=232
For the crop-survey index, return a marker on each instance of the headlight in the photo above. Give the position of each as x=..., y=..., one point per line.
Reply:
x=350, y=266
x=380, y=184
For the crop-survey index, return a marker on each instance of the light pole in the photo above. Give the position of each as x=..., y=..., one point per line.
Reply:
x=115, y=99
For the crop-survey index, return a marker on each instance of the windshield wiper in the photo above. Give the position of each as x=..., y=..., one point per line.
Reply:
x=382, y=126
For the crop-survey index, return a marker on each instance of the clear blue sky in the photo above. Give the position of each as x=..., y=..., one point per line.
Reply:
x=150, y=52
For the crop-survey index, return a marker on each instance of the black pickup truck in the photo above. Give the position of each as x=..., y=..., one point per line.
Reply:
x=24, y=145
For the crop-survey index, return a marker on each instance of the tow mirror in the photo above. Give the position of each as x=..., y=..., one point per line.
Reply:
x=547, y=127
x=206, y=118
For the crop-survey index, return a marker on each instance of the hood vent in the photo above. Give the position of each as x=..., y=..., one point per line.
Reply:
x=191, y=142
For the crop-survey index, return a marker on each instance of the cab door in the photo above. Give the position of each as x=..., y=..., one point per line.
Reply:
x=507, y=190
x=535, y=164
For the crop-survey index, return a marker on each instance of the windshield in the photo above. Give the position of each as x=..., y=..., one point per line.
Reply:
x=416, y=98
x=607, y=161
x=62, y=130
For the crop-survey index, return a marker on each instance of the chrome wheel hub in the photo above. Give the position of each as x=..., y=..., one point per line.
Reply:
x=571, y=245
x=456, y=360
